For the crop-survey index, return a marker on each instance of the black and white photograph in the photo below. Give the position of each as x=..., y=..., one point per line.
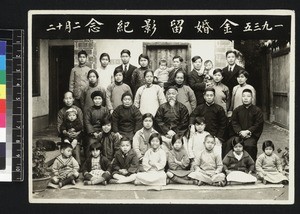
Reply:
x=161, y=106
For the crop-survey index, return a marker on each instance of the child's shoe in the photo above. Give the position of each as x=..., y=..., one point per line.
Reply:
x=60, y=185
x=87, y=183
x=73, y=182
x=222, y=183
x=200, y=183
x=264, y=181
x=285, y=182
x=195, y=182
x=104, y=183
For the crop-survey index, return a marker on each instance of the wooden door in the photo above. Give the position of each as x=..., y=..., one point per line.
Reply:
x=166, y=50
x=61, y=61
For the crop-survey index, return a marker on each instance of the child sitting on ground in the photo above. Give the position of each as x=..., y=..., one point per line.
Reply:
x=178, y=162
x=154, y=163
x=72, y=126
x=238, y=164
x=125, y=164
x=268, y=165
x=97, y=168
x=65, y=167
x=207, y=168
x=196, y=140
x=109, y=141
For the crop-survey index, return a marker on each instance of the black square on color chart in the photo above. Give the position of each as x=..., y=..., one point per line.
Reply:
x=2, y=155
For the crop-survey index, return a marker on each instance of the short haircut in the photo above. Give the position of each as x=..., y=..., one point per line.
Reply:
x=209, y=136
x=231, y=51
x=103, y=55
x=123, y=139
x=178, y=57
x=65, y=145
x=69, y=92
x=195, y=58
x=208, y=61
x=96, y=146
x=199, y=120
x=147, y=115
x=163, y=61
x=125, y=51
x=247, y=90
x=82, y=52
x=268, y=143
x=125, y=94
x=118, y=70
x=155, y=135
x=148, y=71
x=176, y=137
x=210, y=89
x=244, y=72
x=145, y=56
x=93, y=71
x=218, y=70
x=237, y=140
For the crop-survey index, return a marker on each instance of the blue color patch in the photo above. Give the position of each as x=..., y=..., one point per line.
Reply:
x=2, y=62
x=2, y=47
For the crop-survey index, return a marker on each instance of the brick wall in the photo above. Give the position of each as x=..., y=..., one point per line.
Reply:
x=89, y=46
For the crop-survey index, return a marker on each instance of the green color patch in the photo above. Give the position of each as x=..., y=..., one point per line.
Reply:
x=2, y=77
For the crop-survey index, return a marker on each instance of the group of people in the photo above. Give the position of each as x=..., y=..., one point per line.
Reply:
x=164, y=126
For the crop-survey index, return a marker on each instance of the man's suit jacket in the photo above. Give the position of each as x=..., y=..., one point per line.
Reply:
x=230, y=77
x=127, y=75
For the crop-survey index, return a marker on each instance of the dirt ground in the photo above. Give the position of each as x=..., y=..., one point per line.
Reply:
x=271, y=132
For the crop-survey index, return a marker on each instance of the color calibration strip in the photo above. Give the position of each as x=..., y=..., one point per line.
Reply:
x=13, y=88
x=2, y=105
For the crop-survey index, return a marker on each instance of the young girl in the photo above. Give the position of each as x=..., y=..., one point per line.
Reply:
x=105, y=71
x=126, y=118
x=137, y=79
x=149, y=96
x=85, y=99
x=125, y=164
x=115, y=90
x=72, y=126
x=238, y=164
x=154, y=163
x=207, y=167
x=222, y=96
x=178, y=162
x=93, y=117
x=237, y=91
x=109, y=141
x=97, y=168
x=141, y=138
x=196, y=140
x=185, y=94
x=65, y=167
x=268, y=165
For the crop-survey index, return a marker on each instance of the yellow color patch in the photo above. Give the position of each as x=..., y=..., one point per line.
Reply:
x=2, y=91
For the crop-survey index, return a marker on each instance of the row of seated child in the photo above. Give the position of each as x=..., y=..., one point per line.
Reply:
x=160, y=168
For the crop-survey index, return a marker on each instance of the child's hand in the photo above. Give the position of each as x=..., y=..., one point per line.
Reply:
x=119, y=135
x=95, y=135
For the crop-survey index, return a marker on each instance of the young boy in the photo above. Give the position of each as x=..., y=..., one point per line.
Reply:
x=61, y=116
x=222, y=96
x=115, y=90
x=195, y=143
x=214, y=114
x=65, y=167
x=161, y=75
x=93, y=117
x=208, y=166
x=109, y=141
x=78, y=75
x=125, y=164
x=126, y=67
x=208, y=69
x=238, y=89
x=72, y=126
x=247, y=122
x=97, y=168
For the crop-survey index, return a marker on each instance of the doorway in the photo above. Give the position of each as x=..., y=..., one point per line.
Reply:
x=61, y=61
x=167, y=50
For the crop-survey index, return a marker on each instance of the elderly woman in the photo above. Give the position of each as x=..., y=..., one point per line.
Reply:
x=171, y=117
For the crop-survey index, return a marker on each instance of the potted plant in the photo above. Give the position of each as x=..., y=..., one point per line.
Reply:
x=40, y=175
